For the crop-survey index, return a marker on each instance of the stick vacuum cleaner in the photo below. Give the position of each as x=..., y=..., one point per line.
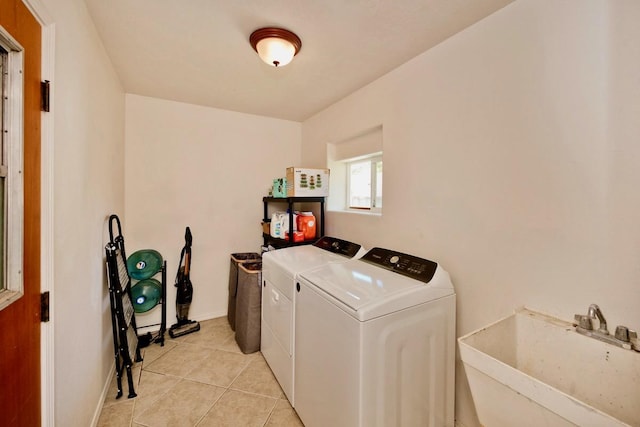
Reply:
x=184, y=294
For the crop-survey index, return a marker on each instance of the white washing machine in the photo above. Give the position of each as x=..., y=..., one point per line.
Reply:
x=375, y=343
x=280, y=269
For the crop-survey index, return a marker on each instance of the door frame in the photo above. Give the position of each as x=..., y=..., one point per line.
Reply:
x=47, y=385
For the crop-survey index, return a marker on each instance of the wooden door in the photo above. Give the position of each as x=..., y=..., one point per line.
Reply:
x=20, y=322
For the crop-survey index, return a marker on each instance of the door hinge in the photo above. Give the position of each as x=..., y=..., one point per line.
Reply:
x=44, y=95
x=44, y=306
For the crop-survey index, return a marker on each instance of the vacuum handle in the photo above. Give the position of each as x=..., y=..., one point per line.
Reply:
x=185, y=254
x=187, y=237
x=187, y=262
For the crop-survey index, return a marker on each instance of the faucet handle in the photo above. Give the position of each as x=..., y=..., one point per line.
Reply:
x=633, y=339
x=584, y=322
x=622, y=333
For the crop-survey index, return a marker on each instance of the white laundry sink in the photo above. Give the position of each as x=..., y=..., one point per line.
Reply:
x=530, y=369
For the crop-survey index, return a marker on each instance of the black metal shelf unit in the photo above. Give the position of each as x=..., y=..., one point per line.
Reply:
x=149, y=338
x=290, y=201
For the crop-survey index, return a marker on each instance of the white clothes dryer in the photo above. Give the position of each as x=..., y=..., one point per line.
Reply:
x=280, y=269
x=375, y=343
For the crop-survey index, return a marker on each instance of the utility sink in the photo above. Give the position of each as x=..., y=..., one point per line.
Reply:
x=530, y=369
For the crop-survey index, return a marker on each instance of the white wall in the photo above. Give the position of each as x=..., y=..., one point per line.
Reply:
x=204, y=168
x=88, y=103
x=511, y=157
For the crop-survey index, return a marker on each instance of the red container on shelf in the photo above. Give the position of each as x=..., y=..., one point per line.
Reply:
x=307, y=225
x=298, y=236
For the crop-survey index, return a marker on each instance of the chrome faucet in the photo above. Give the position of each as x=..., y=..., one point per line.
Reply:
x=624, y=337
x=594, y=311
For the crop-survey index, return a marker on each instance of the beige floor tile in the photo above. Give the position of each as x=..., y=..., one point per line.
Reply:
x=230, y=344
x=180, y=360
x=258, y=378
x=118, y=415
x=182, y=406
x=238, y=409
x=283, y=415
x=215, y=322
x=219, y=368
x=152, y=387
x=210, y=335
x=181, y=384
x=215, y=333
x=155, y=351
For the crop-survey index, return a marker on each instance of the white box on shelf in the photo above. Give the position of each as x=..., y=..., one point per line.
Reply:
x=304, y=182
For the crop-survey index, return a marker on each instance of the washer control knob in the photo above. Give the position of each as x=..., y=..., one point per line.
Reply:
x=394, y=259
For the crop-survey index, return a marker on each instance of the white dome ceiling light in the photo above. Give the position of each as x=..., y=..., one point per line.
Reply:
x=275, y=46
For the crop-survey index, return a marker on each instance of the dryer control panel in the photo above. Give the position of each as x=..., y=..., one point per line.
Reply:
x=338, y=246
x=408, y=265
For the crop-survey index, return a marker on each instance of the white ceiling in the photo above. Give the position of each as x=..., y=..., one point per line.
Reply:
x=198, y=51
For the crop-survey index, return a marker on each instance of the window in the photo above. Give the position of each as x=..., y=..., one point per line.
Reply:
x=364, y=183
x=356, y=172
x=11, y=164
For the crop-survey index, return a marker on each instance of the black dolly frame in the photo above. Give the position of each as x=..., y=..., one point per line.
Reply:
x=125, y=335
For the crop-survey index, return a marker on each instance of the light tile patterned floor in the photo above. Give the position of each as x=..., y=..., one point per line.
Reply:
x=201, y=379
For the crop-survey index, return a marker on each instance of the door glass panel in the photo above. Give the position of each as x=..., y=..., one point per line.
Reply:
x=2, y=234
x=11, y=169
x=3, y=181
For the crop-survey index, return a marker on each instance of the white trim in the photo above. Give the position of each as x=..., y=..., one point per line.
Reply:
x=40, y=12
x=46, y=232
x=105, y=390
x=47, y=384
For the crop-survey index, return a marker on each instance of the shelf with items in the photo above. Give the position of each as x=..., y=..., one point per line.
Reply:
x=290, y=202
x=147, y=292
x=281, y=243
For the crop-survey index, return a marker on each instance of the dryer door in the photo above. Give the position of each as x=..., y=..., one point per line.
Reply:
x=277, y=313
x=276, y=336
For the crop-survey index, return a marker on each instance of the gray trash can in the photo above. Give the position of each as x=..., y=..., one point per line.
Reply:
x=248, y=306
x=237, y=259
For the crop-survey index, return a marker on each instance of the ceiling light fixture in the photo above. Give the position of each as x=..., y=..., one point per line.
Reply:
x=275, y=46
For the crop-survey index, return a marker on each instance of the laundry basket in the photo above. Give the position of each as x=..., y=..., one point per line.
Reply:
x=248, y=306
x=237, y=259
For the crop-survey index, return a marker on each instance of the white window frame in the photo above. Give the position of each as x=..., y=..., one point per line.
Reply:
x=373, y=159
x=13, y=147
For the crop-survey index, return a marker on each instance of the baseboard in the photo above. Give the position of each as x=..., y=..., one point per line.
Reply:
x=210, y=315
x=103, y=396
